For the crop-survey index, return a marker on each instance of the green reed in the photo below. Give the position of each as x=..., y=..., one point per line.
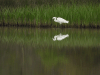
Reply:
x=80, y=15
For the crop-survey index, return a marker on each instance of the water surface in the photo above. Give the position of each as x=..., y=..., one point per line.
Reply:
x=31, y=51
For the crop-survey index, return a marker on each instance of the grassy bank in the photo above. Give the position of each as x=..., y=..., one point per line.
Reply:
x=41, y=16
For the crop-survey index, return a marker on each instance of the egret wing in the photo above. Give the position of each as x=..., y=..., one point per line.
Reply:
x=61, y=19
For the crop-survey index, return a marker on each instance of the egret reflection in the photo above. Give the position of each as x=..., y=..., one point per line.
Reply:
x=60, y=37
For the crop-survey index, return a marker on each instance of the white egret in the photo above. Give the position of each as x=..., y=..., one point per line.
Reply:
x=60, y=37
x=60, y=20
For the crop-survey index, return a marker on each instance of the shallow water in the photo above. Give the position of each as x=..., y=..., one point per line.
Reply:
x=32, y=51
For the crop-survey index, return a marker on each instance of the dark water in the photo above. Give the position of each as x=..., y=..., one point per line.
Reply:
x=28, y=51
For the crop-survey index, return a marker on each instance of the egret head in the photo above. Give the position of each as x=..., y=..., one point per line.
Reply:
x=53, y=17
x=54, y=39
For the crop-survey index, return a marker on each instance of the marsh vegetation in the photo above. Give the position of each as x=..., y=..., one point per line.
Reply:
x=40, y=15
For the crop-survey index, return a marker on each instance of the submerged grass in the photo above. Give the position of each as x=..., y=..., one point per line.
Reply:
x=78, y=15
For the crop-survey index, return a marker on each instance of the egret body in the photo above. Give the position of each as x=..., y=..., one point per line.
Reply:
x=60, y=20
